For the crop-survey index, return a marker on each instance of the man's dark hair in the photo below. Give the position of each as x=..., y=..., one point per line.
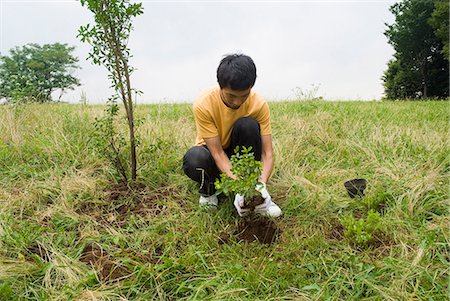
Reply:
x=236, y=72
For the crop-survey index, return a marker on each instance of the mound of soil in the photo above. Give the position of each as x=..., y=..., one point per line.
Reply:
x=257, y=228
x=381, y=244
x=107, y=269
x=121, y=190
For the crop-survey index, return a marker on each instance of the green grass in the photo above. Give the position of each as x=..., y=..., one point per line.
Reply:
x=53, y=198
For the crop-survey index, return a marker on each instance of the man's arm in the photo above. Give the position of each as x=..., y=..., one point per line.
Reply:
x=219, y=156
x=266, y=157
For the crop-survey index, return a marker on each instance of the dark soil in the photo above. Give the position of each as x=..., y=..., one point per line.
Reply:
x=381, y=243
x=144, y=200
x=123, y=190
x=253, y=202
x=257, y=228
x=224, y=238
x=107, y=269
x=121, y=200
x=336, y=231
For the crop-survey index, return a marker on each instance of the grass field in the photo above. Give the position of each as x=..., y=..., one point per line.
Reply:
x=66, y=234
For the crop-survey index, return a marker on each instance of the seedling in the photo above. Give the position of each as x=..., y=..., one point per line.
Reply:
x=362, y=231
x=247, y=170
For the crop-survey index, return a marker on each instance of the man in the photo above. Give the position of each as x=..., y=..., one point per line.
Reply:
x=228, y=116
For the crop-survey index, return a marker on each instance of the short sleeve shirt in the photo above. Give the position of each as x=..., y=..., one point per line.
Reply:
x=213, y=118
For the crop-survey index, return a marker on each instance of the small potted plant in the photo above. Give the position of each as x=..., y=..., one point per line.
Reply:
x=247, y=171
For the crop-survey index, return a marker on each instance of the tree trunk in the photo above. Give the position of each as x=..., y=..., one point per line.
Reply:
x=133, y=149
x=122, y=67
x=130, y=119
x=424, y=80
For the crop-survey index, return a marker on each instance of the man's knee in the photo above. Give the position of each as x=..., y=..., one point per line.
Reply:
x=247, y=124
x=198, y=164
x=196, y=157
x=246, y=132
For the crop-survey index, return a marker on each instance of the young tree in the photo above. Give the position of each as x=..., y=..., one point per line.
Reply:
x=109, y=38
x=32, y=72
x=418, y=69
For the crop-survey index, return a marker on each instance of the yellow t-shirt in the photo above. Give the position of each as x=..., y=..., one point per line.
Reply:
x=213, y=118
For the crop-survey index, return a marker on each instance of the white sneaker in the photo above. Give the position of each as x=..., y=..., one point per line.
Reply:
x=271, y=210
x=208, y=201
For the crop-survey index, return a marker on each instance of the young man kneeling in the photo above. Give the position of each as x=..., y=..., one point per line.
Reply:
x=225, y=117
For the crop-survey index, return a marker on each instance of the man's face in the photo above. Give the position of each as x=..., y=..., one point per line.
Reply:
x=234, y=98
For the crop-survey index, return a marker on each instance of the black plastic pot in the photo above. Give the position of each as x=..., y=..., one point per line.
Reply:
x=356, y=187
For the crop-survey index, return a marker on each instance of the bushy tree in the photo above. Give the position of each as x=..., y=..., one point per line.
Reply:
x=32, y=72
x=439, y=21
x=418, y=69
x=399, y=81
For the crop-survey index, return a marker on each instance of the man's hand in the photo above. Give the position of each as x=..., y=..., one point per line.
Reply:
x=239, y=203
x=261, y=187
x=220, y=158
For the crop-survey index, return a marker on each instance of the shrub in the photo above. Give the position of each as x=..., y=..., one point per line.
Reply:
x=246, y=169
x=362, y=231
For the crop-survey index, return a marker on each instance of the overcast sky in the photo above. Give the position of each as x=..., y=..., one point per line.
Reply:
x=177, y=45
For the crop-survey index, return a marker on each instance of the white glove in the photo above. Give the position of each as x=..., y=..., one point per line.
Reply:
x=238, y=203
x=261, y=187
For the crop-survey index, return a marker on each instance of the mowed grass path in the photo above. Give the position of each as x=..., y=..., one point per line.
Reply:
x=56, y=206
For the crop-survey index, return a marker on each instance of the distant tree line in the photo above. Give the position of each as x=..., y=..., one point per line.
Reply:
x=33, y=72
x=418, y=70
x=420, y=37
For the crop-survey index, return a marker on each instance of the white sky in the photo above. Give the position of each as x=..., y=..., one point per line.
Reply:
x=177, y=45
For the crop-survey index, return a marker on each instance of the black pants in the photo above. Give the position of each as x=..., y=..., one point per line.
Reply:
x=199, y=165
